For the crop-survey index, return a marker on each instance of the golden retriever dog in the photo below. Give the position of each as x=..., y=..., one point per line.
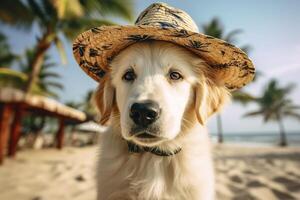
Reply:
x=156, y=100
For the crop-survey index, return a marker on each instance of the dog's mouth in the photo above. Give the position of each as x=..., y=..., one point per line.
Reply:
x=145, y=135
x=149, y=136
x=146, y=138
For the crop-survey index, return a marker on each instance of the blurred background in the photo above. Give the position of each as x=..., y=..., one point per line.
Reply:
x=45, y=97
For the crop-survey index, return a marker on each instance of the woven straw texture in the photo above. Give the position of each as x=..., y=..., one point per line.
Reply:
x=95, y=48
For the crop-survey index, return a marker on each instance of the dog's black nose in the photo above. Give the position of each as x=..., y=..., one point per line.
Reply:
x=144, y=113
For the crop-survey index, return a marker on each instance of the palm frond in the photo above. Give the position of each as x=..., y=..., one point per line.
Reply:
x=54, y=85
x=6, y=60
x=72, y=28
x=270, y=115
x=243, y=97
x=292, y=107
x=288, y=89
x=230, y=37
x=47, y=75
x=246, y=48
x=292, y=114
x=12, y=78
x=37, y=10
x=275, y=101
x=120, y=8
x=49, y=10
x=6, y=56
x=48, y=65
x=67, y=9
x=253, y=113
x=16, y=13
x=213, y=28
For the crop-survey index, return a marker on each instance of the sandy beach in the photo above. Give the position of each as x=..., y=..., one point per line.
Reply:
x=242, y=173
x=262, y=173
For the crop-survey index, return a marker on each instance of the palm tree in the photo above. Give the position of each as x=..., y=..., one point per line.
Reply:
x=6, y=56
x=215, y=29
x=47, y=83
x=274, y=105
x=12, y=78
x=59, y=18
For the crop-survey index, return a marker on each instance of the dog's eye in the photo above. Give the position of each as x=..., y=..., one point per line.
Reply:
x=129, y=76
x=175, y=76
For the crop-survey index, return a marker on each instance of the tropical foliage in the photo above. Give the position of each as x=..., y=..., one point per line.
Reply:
x=215, y=29
x=57, y=18
x=12, y=78
x=47, y=83
x=6, y=56
x=274, y=105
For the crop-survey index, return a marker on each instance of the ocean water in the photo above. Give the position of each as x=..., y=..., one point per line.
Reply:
x=293, y=138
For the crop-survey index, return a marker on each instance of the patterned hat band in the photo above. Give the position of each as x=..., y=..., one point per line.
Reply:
x=94, y=49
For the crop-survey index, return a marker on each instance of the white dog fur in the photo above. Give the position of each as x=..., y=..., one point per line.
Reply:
x=185, y=104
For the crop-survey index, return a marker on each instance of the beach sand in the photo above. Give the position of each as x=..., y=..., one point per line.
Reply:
x=242, y=173
x=262, y=173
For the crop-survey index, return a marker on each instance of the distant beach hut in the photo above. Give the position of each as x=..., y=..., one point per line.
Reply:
x=86, y=133
x=91, y=126
x=15, y=104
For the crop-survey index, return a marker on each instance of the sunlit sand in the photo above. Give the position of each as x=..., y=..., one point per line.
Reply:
x=241, y=173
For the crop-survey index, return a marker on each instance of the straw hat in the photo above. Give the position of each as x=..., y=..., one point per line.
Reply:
x=95, y=48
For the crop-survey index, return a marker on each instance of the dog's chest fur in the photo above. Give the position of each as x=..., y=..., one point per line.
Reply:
x=144, y=176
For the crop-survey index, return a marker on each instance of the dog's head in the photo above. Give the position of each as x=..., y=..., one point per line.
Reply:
x=155, y=90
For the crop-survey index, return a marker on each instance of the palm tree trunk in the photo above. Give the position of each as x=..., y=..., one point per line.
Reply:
x=283, y=140
x=43, y=45
x=220, y=128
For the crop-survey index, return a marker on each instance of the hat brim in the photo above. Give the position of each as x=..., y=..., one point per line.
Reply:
x=95, y=48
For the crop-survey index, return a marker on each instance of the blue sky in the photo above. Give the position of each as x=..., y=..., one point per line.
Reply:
x=271, y=27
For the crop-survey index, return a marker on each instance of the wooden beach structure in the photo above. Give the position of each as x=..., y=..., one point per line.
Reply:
x=15, y=104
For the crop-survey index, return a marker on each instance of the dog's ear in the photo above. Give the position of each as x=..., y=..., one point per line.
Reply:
x=209, y=99
x=104, y=98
